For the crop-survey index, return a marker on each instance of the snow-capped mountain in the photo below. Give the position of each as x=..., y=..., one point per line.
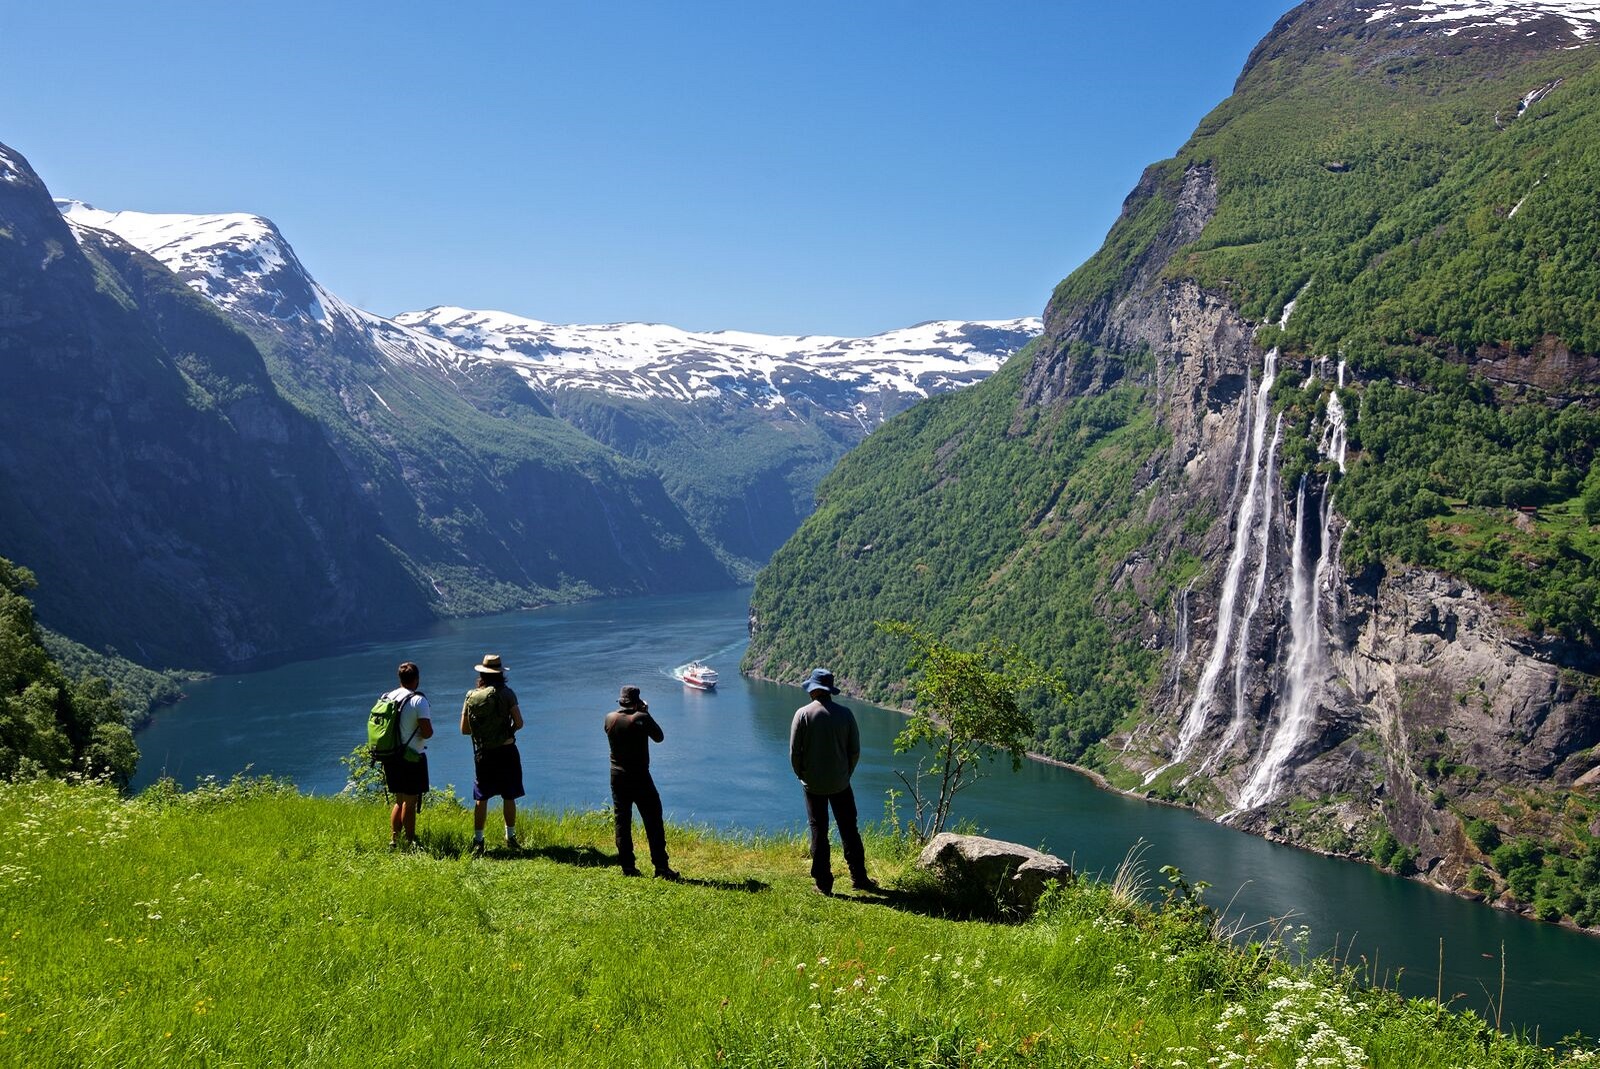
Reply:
x=738, y=427
x=649, y=360
x=462, y=463
x=239, y=262
x=243, y=264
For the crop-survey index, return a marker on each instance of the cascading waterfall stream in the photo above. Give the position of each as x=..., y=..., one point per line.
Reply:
x=1181, y=639
x=1305, y=666
x=1253, y=500
x=1335, y=443
x=1241, y=660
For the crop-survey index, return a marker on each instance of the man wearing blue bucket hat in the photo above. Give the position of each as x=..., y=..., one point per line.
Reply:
x=824, y=746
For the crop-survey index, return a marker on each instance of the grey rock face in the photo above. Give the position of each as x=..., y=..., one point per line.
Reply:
x=1014, y=875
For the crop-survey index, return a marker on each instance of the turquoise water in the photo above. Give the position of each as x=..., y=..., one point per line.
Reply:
x=724, y=764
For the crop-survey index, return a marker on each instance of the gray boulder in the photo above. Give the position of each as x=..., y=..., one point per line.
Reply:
x=1011, y=875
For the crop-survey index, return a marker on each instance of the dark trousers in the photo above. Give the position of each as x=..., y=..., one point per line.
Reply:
x=844, y=813
x=629, y=789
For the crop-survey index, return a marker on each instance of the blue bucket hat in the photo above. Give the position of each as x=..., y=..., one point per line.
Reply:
x=820, y=679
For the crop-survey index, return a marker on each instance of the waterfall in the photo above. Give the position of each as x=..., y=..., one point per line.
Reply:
x=1252, y=501
x=1334, y=445
x=1305, y=667
x=1241, y=660
x=1181, y=639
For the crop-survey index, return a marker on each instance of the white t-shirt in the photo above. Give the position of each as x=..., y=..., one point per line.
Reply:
x=415, y=709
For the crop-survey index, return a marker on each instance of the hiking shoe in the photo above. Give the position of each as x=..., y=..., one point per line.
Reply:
x=512, y=844
x=630, y=870
x=477, y=848
x=670, y=875
x=868, y=885
x=825, y=892
x=394, y=845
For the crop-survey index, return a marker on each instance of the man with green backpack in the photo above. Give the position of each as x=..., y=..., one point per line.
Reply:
x=398, y=730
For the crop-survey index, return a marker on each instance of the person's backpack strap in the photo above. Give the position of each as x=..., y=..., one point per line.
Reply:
x=404, y=746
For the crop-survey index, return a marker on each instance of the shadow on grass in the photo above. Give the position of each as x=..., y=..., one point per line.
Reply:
x=586, y=857
x=748, y=885
x=927, y=899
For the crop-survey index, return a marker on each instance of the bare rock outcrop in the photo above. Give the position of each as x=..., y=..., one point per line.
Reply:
x=1011, y=875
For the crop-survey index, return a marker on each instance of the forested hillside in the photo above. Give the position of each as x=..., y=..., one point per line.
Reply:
x=51, y=724
x=1298, y=487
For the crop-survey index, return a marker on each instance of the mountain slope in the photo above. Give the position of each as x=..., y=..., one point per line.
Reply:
x=1256, y=489
x=171, y=503
x=740, y=426
x=492, y=501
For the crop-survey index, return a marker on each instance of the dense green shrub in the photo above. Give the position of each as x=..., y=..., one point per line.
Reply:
x=1483, y=834
x=50, y=725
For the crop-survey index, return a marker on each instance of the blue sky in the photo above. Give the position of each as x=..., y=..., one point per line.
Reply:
x=824, y=168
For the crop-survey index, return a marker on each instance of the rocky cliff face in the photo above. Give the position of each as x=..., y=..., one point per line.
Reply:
x=1397, y=699
x=1252, y=417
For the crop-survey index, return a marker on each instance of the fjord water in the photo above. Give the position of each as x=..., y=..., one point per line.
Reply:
x=724, y=764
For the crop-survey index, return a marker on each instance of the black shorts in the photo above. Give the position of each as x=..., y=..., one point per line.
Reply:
x=405, y=776
x=497, y=771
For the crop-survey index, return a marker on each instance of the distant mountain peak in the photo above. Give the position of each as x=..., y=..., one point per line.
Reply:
x=644, y=360
x=238, y=261
x=242, y=264
x=1379, y=33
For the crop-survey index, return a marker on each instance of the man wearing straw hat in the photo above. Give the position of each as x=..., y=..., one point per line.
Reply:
x=492, y=717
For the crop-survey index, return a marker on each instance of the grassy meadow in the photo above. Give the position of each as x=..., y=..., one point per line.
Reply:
x=243, y=924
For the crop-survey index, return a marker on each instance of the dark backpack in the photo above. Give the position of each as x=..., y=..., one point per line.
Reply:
x=383, y=727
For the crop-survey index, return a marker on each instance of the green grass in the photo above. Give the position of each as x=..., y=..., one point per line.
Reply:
x=244, y=924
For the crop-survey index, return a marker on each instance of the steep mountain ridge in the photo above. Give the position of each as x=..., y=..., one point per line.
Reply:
x=495, y=503
x=1256, y=489
x=738, y=427
x=172, y=504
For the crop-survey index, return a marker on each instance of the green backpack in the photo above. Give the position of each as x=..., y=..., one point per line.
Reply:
x=383, y=728
x=489, y=715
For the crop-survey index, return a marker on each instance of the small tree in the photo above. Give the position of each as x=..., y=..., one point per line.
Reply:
x=966, y=708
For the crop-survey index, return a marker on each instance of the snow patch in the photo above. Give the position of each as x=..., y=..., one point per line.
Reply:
x=229, y=258
x=10, y=169
x=653, y=359
x=1454, y=16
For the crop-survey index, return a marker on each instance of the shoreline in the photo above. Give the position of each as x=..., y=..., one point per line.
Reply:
x=1523, y=911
